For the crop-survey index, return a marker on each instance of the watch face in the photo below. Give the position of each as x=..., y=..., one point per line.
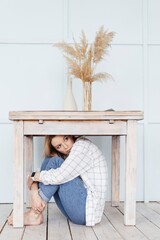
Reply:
x=33, y=173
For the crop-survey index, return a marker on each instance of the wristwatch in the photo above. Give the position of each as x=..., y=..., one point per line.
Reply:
x=32, y=176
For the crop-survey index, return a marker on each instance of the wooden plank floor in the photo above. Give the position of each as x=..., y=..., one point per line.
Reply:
x=56, y=227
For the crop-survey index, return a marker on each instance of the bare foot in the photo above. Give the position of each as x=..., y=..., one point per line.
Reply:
x=30, y=218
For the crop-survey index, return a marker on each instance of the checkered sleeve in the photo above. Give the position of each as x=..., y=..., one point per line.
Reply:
x=74, y=165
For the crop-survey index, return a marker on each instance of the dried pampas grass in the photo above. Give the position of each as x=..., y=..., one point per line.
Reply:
x=82, y=58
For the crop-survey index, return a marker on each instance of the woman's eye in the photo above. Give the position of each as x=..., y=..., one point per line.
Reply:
x=59, y=146
x=66, y=139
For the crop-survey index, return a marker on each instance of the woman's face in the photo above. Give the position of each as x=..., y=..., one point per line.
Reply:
x=63, y=144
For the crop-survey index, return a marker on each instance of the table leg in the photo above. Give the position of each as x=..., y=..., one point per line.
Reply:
x=115, y=169
x=18, y=201
x=131, y=157
x=28, y=158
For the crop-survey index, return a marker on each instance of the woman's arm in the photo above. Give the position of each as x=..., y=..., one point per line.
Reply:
x=37, y=202
x=33, y=184
x=78, y=162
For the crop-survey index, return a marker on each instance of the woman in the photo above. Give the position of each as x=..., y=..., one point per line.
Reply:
x=74, y=172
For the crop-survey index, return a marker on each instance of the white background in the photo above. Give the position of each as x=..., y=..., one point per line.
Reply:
x=33, y=74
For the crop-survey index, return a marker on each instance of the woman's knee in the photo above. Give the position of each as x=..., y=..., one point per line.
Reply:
x=54, y=162
x=80, y=221
x=44, y=163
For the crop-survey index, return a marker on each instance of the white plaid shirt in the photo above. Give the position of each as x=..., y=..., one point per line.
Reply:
x=85, y=160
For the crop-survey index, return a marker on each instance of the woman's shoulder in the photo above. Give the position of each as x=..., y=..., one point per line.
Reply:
x=82, y=139
x=84, y=142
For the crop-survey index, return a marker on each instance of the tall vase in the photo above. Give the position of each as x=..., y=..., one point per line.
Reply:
x=87, y=95
x=69, y=100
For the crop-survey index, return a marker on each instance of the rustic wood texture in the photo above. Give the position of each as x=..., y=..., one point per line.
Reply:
x=115, y=170
x=28, y=160
x=57, y=227
x=130, y=173
x=80, y=115
x=18, y=174
x=98, y=123
x=65, y=127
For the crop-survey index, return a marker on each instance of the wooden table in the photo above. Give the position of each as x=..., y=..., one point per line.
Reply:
x=28, y=124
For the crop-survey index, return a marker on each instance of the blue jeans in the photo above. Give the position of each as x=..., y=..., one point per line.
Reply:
x=70, y=197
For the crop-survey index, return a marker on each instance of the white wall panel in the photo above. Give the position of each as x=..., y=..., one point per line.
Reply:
x=125, y=91
x=6, y=160
x=154, y=162
x=153, y=21
x=31, y=78
x=31, y=21
x=154, y=83
x=123, y=17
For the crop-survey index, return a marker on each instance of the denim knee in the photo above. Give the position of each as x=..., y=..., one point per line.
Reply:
x=44, y=163
x=47, y=191
x=54, y=162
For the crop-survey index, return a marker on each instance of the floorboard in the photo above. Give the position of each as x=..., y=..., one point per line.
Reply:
x=56, y=227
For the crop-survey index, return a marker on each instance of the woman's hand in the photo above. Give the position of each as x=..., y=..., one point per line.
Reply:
x=37, y=203
x=30, y=180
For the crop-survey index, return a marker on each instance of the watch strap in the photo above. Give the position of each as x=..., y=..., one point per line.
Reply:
x=32, y=176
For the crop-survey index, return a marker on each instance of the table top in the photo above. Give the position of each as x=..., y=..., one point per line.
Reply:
x=75, y=115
